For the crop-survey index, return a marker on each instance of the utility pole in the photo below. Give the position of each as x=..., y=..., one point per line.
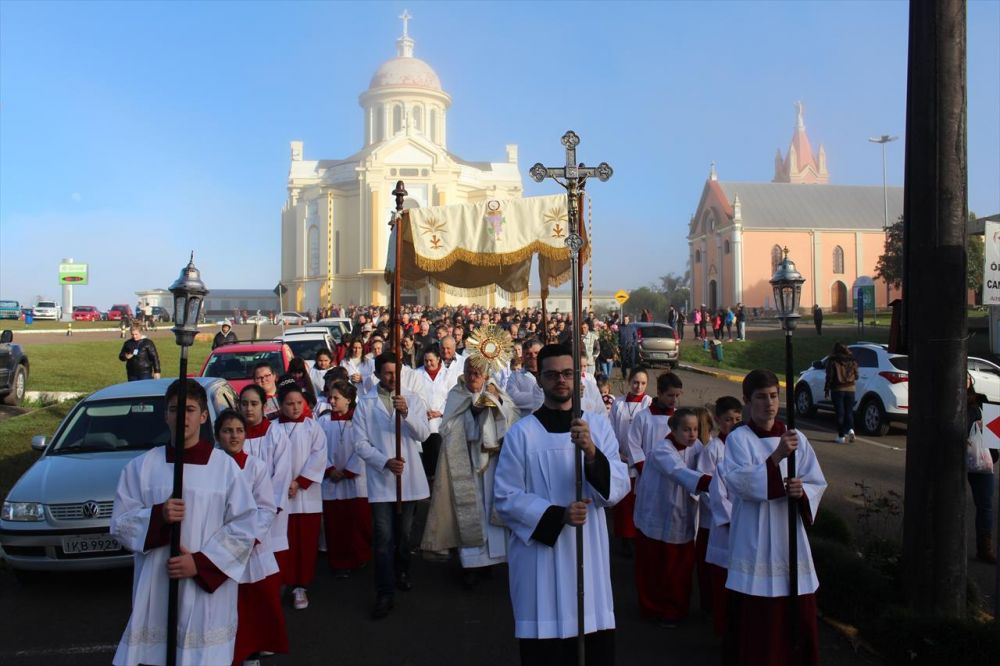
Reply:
x=934, y=296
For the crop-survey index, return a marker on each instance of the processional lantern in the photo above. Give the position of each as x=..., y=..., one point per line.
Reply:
x=787, y=284
x=189, y=297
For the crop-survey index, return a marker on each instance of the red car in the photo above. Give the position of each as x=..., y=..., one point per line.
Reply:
x=235, y=363
x=86, y=313
x=119, y=312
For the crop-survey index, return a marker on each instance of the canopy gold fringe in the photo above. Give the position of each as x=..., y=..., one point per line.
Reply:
x=493, y=258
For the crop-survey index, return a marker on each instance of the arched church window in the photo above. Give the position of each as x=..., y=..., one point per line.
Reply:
x=776, y=256
x=433, y=124
x=838, y=260
x=397, y=119
x=697, y=256
x=379, y=132
x=313, y=250
x=418, y=118
x=726, y=247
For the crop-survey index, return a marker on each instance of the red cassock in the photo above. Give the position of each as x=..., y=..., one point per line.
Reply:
x=298, y=563
x=624, y=522
x=348, y=525
x=261, y=619
x=720, y=598
x=758, y=632
x=663, y=577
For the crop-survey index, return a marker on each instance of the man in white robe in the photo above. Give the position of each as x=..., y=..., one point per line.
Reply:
x=477, y=415
x=216, y=541
x=535, y=497
x=755, y=470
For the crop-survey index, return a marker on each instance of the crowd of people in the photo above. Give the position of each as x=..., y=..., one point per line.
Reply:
x=307, y=468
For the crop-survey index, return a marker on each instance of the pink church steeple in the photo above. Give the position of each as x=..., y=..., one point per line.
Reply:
x=800, y=166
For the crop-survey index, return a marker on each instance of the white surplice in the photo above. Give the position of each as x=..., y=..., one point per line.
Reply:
x=666, y=500
x=523, y=389
x=646, y=429
x=375, y=443
x=262, y=563
x=274, y=449
x=308, y=460
x=758, y=536
x=622, y=415
x=536, y=471
x=220, y=524
x=340, y=453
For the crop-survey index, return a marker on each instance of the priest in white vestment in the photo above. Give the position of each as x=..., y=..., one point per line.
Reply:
x=477, y=415
x=535, y=498
x=217, y=536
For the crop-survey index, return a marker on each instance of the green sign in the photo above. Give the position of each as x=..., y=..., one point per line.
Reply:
x=73, y=274
x=865, y=295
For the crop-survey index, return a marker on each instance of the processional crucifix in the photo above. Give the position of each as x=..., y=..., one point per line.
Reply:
x=573, y=177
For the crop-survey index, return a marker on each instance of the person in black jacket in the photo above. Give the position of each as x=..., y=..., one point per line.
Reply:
x=225, y=337
x=139, y=354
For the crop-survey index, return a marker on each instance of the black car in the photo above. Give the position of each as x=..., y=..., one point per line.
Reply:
x=13, y=370
x=160, y=313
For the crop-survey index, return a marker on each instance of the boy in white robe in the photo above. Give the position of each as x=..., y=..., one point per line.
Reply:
x=650, y=425
x=215, y=540
x=623, y=412
x=755, y=469
x=535, y=498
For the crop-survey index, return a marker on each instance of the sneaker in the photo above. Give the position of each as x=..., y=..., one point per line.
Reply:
x=383, y=605
x=299, y=599
x=839, y=440
x=850, y=436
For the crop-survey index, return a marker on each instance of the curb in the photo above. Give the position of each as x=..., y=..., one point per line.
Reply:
x=719, y=374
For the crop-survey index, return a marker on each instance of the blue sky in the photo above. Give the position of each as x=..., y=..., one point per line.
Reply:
x=131, y=133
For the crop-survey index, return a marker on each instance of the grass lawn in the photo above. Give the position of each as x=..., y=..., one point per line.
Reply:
x=769, y=352
x=89, y=365
x=15, y=440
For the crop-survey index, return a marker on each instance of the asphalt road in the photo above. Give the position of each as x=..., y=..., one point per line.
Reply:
x=78, y=619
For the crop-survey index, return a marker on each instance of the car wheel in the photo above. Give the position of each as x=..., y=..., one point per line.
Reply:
x=673, y=365
x=18, y=386
x=804, y=405
x=873, y=417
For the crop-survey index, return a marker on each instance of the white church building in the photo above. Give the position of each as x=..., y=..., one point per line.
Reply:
x=334, y=224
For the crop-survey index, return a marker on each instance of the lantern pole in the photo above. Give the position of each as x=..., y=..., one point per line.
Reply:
x=787, y=284
x=189, y=296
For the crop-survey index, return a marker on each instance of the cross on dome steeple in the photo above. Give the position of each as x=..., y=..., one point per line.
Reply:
x=404, y=45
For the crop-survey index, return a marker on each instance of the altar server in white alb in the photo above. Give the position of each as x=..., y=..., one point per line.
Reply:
x=375, y=443
x=522, y=385
x=755, y=471
x=267, y=441
x=217, y=535
x=477, y=415
x=261, y=617
x=307, y=458
x=535, y=497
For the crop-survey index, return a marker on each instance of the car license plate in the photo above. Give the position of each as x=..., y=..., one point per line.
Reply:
x=98, y=543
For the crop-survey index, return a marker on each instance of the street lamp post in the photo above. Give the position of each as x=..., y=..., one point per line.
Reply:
x=189, y=296
x=787, y=285
x=884, y=139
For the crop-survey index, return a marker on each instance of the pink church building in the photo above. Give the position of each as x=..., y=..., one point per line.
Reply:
x=834, y=234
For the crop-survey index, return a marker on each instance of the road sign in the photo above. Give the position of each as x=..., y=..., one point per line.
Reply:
x=991, y=426
x=991, y=272
x=621, y=296
x=75, y=274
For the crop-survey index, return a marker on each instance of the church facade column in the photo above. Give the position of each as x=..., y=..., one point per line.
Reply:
x=737, y=250
x=817, y=272
x=705, y=296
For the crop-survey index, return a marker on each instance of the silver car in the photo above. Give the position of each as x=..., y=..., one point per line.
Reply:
x=57, y=515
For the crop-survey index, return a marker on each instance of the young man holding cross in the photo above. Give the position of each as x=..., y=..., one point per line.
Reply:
x=755, y=473
x=535, y=498
x=216, y=541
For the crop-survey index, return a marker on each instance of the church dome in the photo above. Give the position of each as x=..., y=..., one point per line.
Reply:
x=405, y=71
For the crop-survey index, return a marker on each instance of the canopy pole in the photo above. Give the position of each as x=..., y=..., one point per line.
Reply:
x=397, y=330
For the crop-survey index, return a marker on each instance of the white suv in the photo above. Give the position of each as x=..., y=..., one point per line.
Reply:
x=306, y=341
x=46, y=310
x=881, y=395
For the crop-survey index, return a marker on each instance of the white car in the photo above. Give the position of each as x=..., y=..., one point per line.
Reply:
x=258, y=319
x=340, y=327
x=46, y=310
x=305, y=342
x=881, y=396
x=985, y=378
x=292, y=318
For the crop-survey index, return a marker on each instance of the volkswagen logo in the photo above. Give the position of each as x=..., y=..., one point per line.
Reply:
x=90, y=509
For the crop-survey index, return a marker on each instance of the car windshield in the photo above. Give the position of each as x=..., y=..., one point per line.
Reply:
x=45, y=304
x=306, y=349
x=239, y=365
x=657, y=332
x=9, y=304
x=114, y=425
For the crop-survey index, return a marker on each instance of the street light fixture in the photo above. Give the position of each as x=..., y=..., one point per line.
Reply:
x=884, y=139
x=787, y=284
x=189, y=296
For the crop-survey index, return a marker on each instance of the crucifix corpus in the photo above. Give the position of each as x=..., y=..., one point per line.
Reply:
x=573, y=178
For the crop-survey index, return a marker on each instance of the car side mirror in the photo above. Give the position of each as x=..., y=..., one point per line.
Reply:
x=6, y=336
x=817, y=365
x=39, y=442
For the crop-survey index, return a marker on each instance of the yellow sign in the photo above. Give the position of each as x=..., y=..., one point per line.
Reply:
x=621, y=296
